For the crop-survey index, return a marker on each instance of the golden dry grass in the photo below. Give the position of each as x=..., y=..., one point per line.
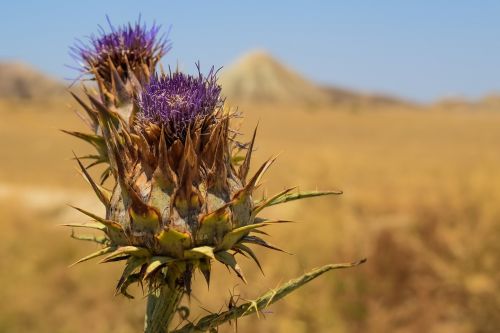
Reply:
x=421, y=202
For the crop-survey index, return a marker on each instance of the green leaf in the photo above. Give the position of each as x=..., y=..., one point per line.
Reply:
x=228, y=259
x=259, y=241
x=235, y=235
x=105, y=175
x=205, y=267
x=301, y=195
x=95, y=140
x=156, y=263
x=245, y=166
x=215, y=320
x=90, y=238
x=268, y=202
x=250, y=252
x=136, y=277
x=92, y=121
x=199, y=252
x=173, y=242
x=89, y=225
x=96, y=254
x=103, y=194
x=133, y=263
x=110, y=224
x=134, y=251
x=254, y=181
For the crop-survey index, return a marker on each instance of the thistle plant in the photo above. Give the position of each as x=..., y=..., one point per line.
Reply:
x=181, y=197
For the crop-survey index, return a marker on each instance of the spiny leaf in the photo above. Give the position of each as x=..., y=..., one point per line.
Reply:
x=269, y=221
x=245, y=167
x=103, y=196
x=174, y=242
x=268, y=202
x=205, y=267
x=89, y=157
x=228, y=259
x=136, y=277
x=301, y=195
x=215, y=320
x=252, y=184
x=105, y=175
x=119, y=258
x=257, y=231
x=131, y=250
x=107, y=223
x=100, y=161
x=90, y=238
x=259, y=241
x=96, y=254
x=91, y=113
x=156, y=263
x=199, y=252
x=235, y=235
x=133, y=263
x=89, y=225
x=250, y=252
x=95, y=140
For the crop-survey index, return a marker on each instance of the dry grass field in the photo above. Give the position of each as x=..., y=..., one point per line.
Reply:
x=421, y=202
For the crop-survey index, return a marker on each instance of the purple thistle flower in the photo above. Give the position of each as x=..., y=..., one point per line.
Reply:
x=176, y=100
x=133, y=44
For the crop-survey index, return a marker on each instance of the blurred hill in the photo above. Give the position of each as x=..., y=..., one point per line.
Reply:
x=258, y=77
x=21, y=82
x=489, y=102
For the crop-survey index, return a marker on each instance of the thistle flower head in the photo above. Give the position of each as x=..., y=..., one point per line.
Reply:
x=127, y=47
x=175, y=100
x=182, y=197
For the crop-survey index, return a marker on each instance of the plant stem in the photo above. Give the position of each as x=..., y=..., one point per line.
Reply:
x=161, y=308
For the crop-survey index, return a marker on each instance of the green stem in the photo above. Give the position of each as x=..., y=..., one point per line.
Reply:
x=161, y=308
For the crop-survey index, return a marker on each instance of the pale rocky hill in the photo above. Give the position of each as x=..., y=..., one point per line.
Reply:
x=260, y=78
x=21, y=82
x=489, y=102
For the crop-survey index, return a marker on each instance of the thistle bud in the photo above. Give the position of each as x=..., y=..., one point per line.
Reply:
x=121, y=61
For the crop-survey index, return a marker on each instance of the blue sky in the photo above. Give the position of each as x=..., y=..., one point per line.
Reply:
x=421, y=50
